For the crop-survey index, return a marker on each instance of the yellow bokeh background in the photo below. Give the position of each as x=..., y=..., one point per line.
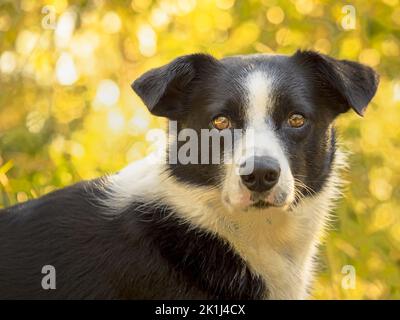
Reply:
x=67, y=111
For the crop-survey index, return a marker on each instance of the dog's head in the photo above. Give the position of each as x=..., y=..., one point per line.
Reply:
x=272, y=114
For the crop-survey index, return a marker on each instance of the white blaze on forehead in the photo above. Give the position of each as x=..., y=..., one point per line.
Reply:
x=260, y=138
x=258, y=87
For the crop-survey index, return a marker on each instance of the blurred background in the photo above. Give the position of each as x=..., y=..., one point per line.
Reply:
x=67, y=111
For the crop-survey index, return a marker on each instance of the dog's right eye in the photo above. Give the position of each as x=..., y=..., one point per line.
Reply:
x=296, y=120
x=221, y=123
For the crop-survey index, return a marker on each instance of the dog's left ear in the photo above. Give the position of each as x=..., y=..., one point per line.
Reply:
x=346, y=84
x=164, y=90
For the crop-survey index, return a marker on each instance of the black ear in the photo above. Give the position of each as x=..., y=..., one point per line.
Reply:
x=164, y=90
x=346, y=84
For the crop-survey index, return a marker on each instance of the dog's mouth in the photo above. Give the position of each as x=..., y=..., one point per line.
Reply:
x=262, y=201
x=261, y=204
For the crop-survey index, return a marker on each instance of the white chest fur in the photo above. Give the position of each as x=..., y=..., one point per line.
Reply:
x=278, y=245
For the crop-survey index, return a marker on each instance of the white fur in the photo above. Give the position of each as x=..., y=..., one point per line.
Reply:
x=259, y=89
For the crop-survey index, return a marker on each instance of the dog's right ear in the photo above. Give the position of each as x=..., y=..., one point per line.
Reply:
x=164, y=90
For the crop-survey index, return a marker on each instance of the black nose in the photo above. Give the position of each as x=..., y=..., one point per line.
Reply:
x=265, y=174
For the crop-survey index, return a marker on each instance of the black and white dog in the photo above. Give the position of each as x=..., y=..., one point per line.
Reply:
x=192, y=229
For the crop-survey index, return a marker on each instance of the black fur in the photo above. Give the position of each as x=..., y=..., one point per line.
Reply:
x=145, y=252
x=346, y=84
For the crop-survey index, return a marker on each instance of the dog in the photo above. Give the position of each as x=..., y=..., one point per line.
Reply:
x=247, y=227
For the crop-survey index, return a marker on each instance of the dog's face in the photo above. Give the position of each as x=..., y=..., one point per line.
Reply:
x=275, y=111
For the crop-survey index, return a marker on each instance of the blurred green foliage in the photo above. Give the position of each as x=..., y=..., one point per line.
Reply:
x=67, y=112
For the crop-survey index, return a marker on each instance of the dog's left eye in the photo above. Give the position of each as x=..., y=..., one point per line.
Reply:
x=221, y=123
x=296, y=120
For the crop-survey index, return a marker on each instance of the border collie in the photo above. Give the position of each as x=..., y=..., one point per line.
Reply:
x=191, y=229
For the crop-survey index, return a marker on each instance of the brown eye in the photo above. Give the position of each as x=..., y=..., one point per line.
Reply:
x=296, y=120
x=221, y=123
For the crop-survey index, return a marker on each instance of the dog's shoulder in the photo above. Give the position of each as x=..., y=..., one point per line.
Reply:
x=110, y=253
x=68, y=229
